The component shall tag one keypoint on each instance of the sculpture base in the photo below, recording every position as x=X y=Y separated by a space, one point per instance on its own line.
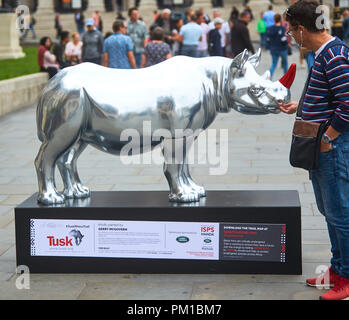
x=255 y=232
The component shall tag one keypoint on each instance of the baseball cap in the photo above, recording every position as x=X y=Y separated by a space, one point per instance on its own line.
x=90 y=22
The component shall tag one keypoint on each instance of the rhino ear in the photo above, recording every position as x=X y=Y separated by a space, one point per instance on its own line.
x=256 y=58
x=240 y=60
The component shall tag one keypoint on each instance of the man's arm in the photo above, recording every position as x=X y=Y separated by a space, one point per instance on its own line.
x=131 y=59
x=144 y=60
x=106 y=59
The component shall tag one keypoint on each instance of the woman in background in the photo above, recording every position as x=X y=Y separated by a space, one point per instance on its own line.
x=73 y=49
x=46 y=60
x=157 y=50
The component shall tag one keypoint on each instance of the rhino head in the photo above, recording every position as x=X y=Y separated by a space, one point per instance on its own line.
x=255 y=94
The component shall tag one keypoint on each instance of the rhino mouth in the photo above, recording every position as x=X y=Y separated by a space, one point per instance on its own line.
x=273 y=109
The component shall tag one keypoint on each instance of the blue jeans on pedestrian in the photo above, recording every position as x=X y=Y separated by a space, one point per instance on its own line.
x=263 y=37
x=275 y=55
x=331 y=188
x=138 y=58
x=189 y=50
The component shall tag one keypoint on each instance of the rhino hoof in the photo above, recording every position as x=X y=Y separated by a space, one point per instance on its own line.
x=78 y=192
x=49 y=198
x=184 y=197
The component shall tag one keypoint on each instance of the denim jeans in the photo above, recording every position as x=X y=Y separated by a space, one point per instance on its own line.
x=190 y=51
x=331 y=188
x=275 y=58
x=138 y=59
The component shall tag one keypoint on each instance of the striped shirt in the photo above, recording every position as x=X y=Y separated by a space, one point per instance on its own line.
x=327 y=95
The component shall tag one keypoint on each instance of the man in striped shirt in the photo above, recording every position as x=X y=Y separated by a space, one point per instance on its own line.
x=326 y=99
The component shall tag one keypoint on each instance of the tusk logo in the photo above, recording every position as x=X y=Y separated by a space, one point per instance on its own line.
x=76 y=234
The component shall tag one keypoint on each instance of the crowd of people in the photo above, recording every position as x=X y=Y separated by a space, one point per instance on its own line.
x=133 y=45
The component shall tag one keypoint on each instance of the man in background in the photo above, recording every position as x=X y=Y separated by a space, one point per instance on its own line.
x=59 y=50
x=93 y=41
x=118 y=48
x=137 y=31
x=240 y=35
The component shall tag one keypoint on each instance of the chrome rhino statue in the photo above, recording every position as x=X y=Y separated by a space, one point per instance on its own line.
x=91 y=104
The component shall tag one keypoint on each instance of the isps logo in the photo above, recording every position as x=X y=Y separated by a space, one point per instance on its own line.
x=207 y=231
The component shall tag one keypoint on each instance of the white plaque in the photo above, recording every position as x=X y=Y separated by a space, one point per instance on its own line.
x=125 y=239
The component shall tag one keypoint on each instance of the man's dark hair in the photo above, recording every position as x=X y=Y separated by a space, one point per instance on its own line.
x=243 y=14
x=117 y=25
x=158 y=34
x=304 y=12
x=130 y=10
x=64 y=35
x=270 y=7
x=193 y=17
x=198 y=14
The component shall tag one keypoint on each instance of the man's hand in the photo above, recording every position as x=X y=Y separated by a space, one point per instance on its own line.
x=289 y=108
x=325 y=147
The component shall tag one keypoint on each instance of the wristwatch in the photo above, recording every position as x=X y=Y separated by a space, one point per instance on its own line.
x=326 y=138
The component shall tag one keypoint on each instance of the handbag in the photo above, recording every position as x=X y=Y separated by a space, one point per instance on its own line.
x=306 y=139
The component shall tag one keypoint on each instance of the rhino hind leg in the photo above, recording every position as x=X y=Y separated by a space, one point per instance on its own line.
x=67 y=165
x=59 y=131
x=174 y=155
x=45 y=169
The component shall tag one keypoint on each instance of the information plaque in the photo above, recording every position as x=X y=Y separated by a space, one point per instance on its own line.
x=141 y=232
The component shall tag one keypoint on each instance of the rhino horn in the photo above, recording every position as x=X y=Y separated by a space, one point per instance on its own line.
x=288 y=78
x=240 y=60
x=256 y=58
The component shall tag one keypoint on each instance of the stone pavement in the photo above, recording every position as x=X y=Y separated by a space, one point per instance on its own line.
x=258 y=159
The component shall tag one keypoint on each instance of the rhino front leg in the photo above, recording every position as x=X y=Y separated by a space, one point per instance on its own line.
x=186 y=173
x=174 y=153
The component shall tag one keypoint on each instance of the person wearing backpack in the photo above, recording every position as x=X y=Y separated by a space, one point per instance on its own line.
x=278 y=44
x=326 y=101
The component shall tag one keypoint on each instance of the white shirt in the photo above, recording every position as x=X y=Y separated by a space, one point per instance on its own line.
x=203 y=43
x=318 y=51
x=222 y=31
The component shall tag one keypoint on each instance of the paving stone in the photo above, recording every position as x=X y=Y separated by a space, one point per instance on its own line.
x=135 y=290
x=252 y=291
x=41 y=290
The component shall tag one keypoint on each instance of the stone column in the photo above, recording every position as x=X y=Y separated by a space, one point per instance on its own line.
x=9 y=39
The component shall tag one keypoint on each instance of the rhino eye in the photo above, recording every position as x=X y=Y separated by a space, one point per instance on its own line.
x=257 y=91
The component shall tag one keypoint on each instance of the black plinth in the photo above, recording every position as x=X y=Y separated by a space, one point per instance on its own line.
x=255 y=232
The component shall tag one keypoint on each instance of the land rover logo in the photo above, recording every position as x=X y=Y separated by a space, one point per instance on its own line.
x=182 y=239
x=207 y=240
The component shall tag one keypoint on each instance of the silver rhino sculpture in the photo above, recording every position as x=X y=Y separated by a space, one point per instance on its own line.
x=91 y=104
